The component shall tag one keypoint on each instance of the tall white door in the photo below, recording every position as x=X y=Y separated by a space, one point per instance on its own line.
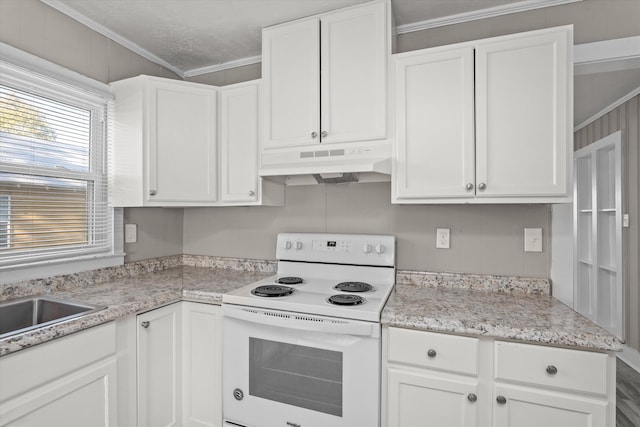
x=291 y=76
x=239 y=179
x=523 y=125
x=354 y=49
x=435 y=125
x=598 y=281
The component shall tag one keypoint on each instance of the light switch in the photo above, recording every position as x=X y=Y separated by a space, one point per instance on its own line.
x=533 y=239
x=130 y=233
x=442 y=238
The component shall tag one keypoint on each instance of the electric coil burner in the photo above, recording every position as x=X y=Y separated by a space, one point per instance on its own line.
x=353 y=287
x=290 y=280
x=272 y=291
x=346 y=299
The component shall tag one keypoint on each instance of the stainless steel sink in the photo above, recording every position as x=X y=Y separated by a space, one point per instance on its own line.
x=24 y=314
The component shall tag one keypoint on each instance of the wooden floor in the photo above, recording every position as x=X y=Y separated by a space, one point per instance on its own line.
x=627 y=396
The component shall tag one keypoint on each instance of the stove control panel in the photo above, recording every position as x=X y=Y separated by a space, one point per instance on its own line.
x=358 y=249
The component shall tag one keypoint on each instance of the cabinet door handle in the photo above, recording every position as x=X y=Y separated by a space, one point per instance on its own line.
x=324 y=134
x=482 y=186
x=314 y=134
x=145 y=324
x=252 y=193
x=501 y=400
x=469 y=187
x=471 y=397
x=552 y=370
x=152 y=192
x=431 y=353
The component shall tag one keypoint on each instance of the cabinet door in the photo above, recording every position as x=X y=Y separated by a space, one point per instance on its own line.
x=529 y=407
x=239 y=143
x=291 y=76
x=181 y=144
x=429 y=398
x=202 y=365
x=354 y=50
x=159 y=367
x=523 y=115
x=434 y=154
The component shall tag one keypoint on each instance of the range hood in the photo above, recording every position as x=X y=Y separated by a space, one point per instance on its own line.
x=334 y=164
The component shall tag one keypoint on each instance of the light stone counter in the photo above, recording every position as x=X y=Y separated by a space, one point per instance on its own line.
x=501 y=313
x=133 y=289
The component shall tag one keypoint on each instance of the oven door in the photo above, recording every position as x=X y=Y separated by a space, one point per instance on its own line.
x=297 y=370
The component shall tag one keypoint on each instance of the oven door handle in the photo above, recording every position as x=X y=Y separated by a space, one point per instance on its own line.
x=302 y=322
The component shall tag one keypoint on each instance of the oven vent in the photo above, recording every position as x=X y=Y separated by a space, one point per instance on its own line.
x=294 y=317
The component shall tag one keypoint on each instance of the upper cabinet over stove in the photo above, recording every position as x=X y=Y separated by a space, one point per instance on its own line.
x=325 y=78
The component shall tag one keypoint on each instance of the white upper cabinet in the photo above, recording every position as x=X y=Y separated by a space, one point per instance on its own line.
x=239 y=138
x=164 y=146
x=486 y=121
x=523 y=115
x=325 y=78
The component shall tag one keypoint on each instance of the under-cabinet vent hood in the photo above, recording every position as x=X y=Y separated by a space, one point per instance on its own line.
x=330 y=164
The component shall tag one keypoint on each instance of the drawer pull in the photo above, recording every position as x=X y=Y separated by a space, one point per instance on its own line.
x=501 y=400
x=145 y=324
x=552 y=370
x=471 y=397
x=431 y=353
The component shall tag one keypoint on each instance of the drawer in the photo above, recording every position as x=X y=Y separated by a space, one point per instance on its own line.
x=434 y=350
x=574 y=369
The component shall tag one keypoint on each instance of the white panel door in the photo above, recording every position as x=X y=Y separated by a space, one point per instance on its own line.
x=239 y=179
x=434 y=156
x=291 y=76
x=159 y=367
x=523 y=119
x=354 y=51
x=428 y=398
x=182 y=150
x=528 y=407
x=202 y=365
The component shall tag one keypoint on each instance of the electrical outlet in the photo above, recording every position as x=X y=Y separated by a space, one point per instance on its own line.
x=442 y=238
x=130 y=233
x=533 y=239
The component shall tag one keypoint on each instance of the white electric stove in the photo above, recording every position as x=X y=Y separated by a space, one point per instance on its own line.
x=302 y=348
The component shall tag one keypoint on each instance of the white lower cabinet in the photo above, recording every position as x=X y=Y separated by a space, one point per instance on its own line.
x=70 y=382
x=496 y=383
x=202 y=365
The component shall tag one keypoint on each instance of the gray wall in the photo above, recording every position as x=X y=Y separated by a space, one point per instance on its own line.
x=627 y=119
x=484 y=239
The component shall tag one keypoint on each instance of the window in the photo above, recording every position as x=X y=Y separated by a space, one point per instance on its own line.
x=53 y=172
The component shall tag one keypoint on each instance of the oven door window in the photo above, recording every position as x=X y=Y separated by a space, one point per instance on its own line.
x=306 y=377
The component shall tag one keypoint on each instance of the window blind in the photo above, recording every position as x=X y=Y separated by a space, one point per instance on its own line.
x=53 y=173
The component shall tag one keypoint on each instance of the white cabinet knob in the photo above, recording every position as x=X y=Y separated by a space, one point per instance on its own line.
x=379 y=249
x=366 y=248
x=298 y=245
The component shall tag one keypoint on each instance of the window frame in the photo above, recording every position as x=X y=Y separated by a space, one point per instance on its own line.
x=21 y=70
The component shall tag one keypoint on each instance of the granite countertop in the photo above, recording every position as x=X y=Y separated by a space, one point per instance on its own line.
x=539 y=319
x=132 y=295
x=510 y=308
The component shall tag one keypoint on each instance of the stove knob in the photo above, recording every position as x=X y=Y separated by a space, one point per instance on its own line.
x=366 y=248
x=287 y=244
x=379 y=249
x=298 y=246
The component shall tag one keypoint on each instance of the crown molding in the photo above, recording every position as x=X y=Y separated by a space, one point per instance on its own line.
x=607 y=55
x=521 y=6
x=63 y=8
x=223 y=66
x=608 y=109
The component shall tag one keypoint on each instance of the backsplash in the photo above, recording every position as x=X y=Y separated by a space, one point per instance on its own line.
x=503 y=284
